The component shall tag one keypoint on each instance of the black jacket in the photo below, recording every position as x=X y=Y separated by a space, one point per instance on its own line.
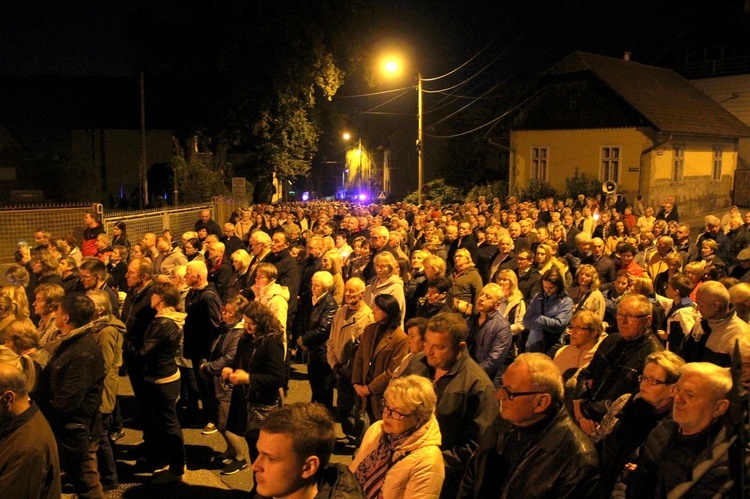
x=160 y=347
x=287 y=269
x=137 y=315
x=203 y=307
x=613 y=372
x=70 y=388
x=319 y=328
x=560 y=462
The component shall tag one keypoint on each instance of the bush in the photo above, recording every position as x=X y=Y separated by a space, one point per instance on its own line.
x=537 y=189
x=497 y=189
x=580 y=183
x=437 y=190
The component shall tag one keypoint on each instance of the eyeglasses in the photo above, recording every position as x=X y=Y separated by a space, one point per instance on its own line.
x=511 y=395
x=398 y=416
x=651 y=381
x=631 y=317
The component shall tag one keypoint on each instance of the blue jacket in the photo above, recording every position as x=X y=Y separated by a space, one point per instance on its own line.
x=547 y=313
x=489 y=343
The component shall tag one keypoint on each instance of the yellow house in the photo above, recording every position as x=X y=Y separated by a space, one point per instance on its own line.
x=646 y=128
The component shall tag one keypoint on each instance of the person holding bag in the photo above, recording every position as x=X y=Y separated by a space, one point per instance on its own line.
x=256 y=376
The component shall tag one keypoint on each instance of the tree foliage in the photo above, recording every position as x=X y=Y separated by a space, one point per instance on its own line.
x=197 y=177
x=253 y=75
x=437 y=190
x=580 y=183
x=497 y=189
x=537 y=189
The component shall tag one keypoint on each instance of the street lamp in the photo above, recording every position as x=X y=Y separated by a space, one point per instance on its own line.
x=393 y=67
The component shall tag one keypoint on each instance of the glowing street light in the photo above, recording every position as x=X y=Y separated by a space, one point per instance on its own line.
x=393 y=67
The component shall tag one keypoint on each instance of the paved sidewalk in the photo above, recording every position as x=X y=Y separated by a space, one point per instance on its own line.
x=201 y=479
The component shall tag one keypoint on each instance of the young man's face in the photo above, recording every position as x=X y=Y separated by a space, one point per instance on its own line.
x=279 y=471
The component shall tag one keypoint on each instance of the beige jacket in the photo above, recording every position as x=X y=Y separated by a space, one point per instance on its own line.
x=417 y=470
x=340 y=344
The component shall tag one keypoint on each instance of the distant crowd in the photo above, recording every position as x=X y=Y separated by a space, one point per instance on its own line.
x=557 y=348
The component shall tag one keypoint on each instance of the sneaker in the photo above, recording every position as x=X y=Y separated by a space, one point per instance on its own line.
x=145 y=464
x=166 y=477
x=116 y=435
x=209 y=429
x=234 y=466
x=225 y=457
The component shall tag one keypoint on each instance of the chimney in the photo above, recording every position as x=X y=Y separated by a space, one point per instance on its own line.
x=626 y=56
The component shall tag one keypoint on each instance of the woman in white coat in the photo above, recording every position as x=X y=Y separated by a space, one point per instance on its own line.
x=400 y=456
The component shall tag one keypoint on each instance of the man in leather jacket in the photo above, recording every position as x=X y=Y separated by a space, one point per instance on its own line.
x=534 y=449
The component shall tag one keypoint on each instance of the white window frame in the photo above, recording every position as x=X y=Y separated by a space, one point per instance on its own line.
x=716 y=164
x=607 y=160
x=539 y=162
x=678 y=164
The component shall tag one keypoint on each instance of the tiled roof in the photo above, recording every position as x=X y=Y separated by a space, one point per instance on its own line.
x=664 y=98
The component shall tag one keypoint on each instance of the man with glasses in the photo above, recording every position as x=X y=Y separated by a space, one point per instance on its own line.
x=682 y=456
x=534 y=449
x=618 y=361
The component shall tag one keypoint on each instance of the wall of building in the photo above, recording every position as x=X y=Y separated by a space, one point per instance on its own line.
x=698 y=192
x=569 y=149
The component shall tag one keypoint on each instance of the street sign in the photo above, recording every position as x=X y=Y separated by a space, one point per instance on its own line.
x=381 y=196
x=238 y=187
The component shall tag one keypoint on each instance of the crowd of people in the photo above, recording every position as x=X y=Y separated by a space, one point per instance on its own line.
x=554 y=348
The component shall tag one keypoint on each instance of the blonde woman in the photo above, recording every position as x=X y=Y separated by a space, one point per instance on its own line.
x=512 y=305
x=47 y=298
x=586 y=295
x=12 y=355
x=332 y=263
x=19 y=298
x=400 y=456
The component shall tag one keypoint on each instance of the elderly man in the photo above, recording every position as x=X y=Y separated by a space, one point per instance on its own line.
x=379 y=237
x=29 y=464
x=231 y=242
x=348 y=324
x=490 y=339
x=260 y=249
x=534 y=449
x=617 y=364
x=713 y=337
x=317 y=332
x=694 y=437
x=219 y=268
x=464 y=239
x=205 y=222
x=604 y=265
x=656 y=264
x=466 y=406
x=288 y=271
x=713 y=231
x=70 y=393
x=504 y=258
x=203 y=308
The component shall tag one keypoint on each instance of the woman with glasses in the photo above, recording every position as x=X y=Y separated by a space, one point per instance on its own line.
x=631 y=418
x=193 y=250
x=400 y=456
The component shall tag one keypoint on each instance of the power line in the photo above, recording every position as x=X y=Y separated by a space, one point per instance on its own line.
x=374 y=93
x=465 y=63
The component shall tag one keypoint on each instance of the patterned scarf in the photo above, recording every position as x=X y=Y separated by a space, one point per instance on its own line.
x=374 y=467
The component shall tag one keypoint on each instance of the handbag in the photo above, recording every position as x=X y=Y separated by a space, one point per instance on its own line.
x=257 y=413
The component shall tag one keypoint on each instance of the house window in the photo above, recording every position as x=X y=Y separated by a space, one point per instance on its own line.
x=678 y=167
x=539 y=157
x=610 y=164
x=716 y=170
